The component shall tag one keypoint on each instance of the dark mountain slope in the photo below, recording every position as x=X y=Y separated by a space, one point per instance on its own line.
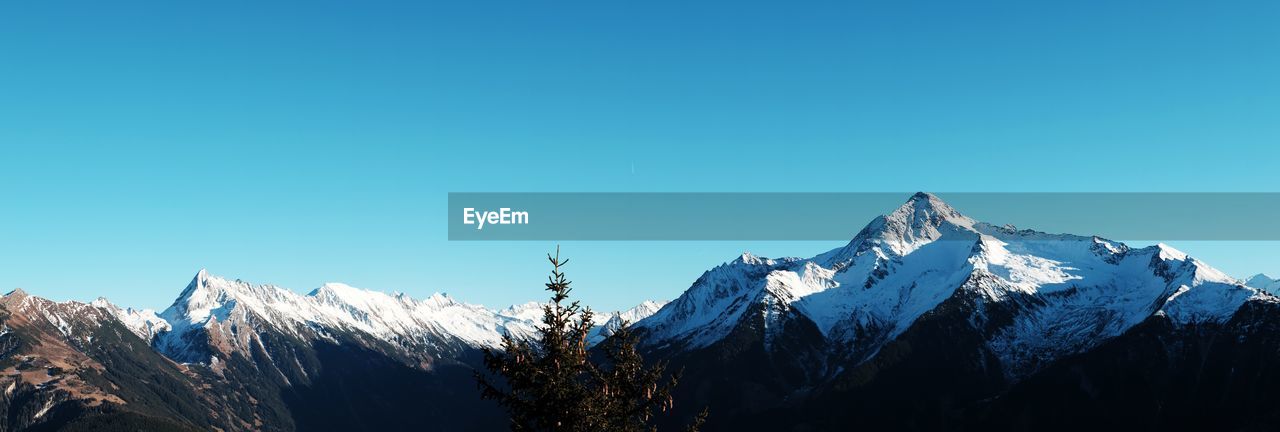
x=1158 y=376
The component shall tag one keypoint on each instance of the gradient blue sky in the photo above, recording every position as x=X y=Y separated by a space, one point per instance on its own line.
x=302 y=142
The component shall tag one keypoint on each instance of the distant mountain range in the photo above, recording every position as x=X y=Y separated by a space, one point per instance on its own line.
x=926 y=320
x=231 y=355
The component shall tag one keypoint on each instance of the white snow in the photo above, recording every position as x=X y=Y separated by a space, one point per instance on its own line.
x=1070 y=292
x=1169 y=253
x=44 y=409
x=145 y=323
x=607 y=324
x=531 y=311
x=1265 y=283
x=74 y=321
x=394 y=318
x=436 y=321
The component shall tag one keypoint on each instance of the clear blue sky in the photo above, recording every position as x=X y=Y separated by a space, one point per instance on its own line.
x=302 y=142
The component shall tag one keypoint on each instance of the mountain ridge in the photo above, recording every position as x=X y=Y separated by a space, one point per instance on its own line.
x=904 y=264
x=925 y=314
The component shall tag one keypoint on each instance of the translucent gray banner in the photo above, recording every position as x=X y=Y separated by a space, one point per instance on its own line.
x=559 y=216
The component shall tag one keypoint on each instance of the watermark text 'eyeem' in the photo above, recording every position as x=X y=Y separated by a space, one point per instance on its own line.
x=503 y=216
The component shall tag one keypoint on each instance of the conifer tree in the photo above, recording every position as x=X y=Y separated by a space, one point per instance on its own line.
x=554 y=383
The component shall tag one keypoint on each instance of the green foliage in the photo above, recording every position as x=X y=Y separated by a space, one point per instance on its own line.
x=553 y=383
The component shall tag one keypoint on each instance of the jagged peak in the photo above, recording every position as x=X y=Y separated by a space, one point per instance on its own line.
x=650 y=304
x=15 y=298
x=1261 y=278
x=925 y=199
x=335 y=288
x=102 y=302
x=1181 y=264
x=363 y=298
x=198 y=282
x=531 y=311
x=440 y=299
x=219 y=285
x=211 y=296
x=749 y=258
x=641 y=311
x=927 y=207
x=922 y=219
x=1169 y=253
x=1162 y=252
x=525 y=306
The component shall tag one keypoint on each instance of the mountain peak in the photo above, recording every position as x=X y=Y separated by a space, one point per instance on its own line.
x=1262 y=277
x=15 y=297
x=924 y=218
x=210 y=296
x=200 y=280
x=927 y=204
x=335 y=288
x=923 y=196
x=1168 y=252
x=102 y=302
x=1265 y=283
x=749 y=258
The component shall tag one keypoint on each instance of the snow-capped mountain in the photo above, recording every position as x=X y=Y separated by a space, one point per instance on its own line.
x=437 y=325
x=1073 y=291
x=72 y=361
x=931 y=308
x=74 y=321
x=258 y=343
x=608 y=324
x=1265 y=283
x=641 y=311
x=926 y=320
x=143 y=322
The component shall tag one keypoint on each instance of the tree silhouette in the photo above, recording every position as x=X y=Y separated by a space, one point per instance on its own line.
x=552 y=383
